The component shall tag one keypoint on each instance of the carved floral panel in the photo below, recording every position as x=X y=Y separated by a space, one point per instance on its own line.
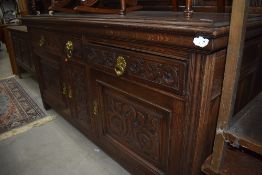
x=139 y=127
x=170 y=74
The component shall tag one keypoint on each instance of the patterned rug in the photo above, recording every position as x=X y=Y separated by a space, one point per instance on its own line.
x=18 y=111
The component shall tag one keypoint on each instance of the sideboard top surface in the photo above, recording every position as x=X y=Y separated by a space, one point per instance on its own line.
x=164 y=28
x=210 y=23
x=20 y=28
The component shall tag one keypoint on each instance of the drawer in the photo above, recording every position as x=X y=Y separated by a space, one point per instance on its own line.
x=61 y=44
x=76 y=46
x=154 y=71
x=46 y=41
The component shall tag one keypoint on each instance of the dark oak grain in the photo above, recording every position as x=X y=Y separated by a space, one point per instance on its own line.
x=236 y=162
x=22 y=49
x=159 y=116
x=247 y=126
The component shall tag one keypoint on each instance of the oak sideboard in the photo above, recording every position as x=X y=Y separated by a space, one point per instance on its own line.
x=144 y=87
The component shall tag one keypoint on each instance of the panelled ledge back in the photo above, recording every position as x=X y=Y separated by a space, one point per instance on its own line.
x=137 y=86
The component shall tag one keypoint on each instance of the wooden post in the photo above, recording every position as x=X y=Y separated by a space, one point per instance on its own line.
x=175 y=5
x=188 y=10
x=123 y=7
x=23 y=7
x=221 y=6
x=231 y=76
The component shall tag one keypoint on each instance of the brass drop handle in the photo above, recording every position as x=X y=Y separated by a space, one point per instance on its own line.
x=70 y=96
x=64 y=90
x=95 y=108
x=120 y=65
x=69 y=48
x=42 y=41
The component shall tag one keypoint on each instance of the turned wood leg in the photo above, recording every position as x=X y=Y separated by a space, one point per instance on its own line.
x=123 y=7
x=188 y=10
x=19 y=72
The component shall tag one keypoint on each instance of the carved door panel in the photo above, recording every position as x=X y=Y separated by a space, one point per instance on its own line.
x=51 y=83
x=78 y=89
x=25 y=54
x=135 y=123
x=17 y=46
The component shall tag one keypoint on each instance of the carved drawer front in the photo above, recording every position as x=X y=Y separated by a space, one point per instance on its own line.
x=158 y=72
x=46 y=41
x=134 y=127
x=72 y=46
x=66 y=45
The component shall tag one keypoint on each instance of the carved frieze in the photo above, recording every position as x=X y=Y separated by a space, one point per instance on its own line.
x=155 y=72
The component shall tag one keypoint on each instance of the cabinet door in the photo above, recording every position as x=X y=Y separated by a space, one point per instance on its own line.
x=79 y=96
x=17 y=48
x=52 y=85
x=135 y=127
x=25 y=54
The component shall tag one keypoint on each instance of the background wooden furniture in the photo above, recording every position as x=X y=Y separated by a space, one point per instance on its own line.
x=23 y=6
x=9 y=46
x=100 y=6
x=242 y=131
x=198 y=5
x=149 y=99
x=171 y=5
x=22 y=49
x=63 y=6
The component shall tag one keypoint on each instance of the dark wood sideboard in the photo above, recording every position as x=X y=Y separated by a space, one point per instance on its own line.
x=22 y=49
x=198 y=5
x=138 y=86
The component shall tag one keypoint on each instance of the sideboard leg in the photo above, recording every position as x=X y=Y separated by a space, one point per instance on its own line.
x=46 y=106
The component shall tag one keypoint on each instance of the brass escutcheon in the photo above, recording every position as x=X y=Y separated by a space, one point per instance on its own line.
x=95 y=108
x=70 y=93
x=69 y=49
x=42 y=41
x=120 y=65
x=64 y=91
